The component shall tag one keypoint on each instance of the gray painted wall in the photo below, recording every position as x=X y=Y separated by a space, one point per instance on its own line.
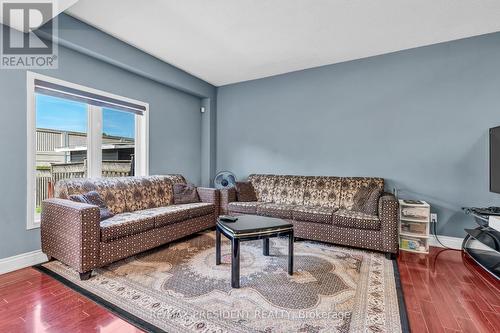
x=175 y=133
x=418 y=118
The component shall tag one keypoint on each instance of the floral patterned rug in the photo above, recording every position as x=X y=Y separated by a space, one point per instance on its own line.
x=178 y=288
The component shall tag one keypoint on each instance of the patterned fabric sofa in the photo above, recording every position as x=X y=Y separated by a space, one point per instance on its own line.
x=320 y=208
x=145 y=217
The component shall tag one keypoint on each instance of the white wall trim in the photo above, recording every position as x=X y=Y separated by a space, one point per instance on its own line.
x=454 y=242
x=21 y=261
x=32 y=219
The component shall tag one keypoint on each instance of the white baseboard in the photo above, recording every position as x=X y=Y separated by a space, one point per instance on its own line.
x=454 y=242
x=21 y=261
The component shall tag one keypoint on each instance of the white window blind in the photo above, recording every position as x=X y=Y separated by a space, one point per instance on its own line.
x=56 y=90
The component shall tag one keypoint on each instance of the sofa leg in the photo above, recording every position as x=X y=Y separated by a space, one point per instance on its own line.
x=85 y=276
x=391 y=256
x=49 y=258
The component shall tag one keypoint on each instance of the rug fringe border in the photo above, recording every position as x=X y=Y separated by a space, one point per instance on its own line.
x=403 y=315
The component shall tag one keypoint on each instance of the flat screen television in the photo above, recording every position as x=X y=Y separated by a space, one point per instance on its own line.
x=495 y=159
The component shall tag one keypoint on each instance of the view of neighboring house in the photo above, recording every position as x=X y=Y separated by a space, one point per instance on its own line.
x=62 y=154
x=62 y=143
x=56 y=146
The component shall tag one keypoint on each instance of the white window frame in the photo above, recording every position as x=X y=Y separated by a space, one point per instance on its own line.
x=94 y=139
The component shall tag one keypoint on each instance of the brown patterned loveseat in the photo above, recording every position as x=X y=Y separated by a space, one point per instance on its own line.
x=321 y=208
x=145 y=217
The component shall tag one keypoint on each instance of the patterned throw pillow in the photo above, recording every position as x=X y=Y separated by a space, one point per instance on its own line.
x=185 y=193
x=366 y=199
x=245 y=192
x=93 y=198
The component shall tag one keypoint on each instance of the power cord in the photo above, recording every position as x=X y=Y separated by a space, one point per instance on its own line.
x=434 y=230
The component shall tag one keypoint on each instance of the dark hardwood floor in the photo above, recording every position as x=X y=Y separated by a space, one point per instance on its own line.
x=31 y=301
x=444 y=292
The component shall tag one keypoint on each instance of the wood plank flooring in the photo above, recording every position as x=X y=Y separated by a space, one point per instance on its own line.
x=444 y=292
x=31 y=301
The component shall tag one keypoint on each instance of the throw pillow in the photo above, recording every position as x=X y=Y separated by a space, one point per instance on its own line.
x=93 y=198
x=185 y=193
x=366 y=200
x=245 y=192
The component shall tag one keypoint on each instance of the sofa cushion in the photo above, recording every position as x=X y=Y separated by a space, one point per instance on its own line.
x=198 y=209
x=126 y=224
x=351 y=185
x=111 y=190
x=161 y=191
x=167 y=215
x=322 y=191
x=281 y=211
x=185 y=193
x=93 y=198
x=313 y=214
x=245 y=192
x=264 y=186
x=243 y=207
x=366 y=199
x=351 y=219
x=289 y=190
x=138 y=194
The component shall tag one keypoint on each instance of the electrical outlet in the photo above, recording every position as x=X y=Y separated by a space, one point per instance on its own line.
x=434 y=218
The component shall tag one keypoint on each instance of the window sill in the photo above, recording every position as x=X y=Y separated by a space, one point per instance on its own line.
x=34 y=224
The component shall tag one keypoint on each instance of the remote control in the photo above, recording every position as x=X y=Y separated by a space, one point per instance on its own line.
x=228 y=218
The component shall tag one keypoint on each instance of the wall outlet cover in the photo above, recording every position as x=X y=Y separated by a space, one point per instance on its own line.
x=434 y=218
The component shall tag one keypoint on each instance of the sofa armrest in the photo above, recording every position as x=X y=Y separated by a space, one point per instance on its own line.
x=210 y=195
x=70 y=232
x=227 y=195
x=388 y=211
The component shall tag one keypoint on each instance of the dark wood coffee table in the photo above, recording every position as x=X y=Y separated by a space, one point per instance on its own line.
x=251 y=227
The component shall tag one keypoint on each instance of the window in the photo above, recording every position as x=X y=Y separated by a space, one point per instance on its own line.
x=75 y=132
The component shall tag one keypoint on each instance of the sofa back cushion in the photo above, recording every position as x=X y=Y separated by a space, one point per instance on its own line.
x=185 y=193
x=121 y=194
x=289 y=190
x=322 y=191
x=263 y=186
x=311 y=191
x=366 y=200
x=175 y=178
x=245 y=192
x=352 y=185
x=111 y=190
x=163 y=191
x=140 y=193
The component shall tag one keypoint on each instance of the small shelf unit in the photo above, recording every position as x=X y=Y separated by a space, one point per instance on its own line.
x=414 y=226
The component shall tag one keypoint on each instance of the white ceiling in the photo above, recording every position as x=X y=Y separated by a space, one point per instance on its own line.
x=228 y=41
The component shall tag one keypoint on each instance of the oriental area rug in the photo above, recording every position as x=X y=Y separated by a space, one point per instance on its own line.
x=178 y=288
